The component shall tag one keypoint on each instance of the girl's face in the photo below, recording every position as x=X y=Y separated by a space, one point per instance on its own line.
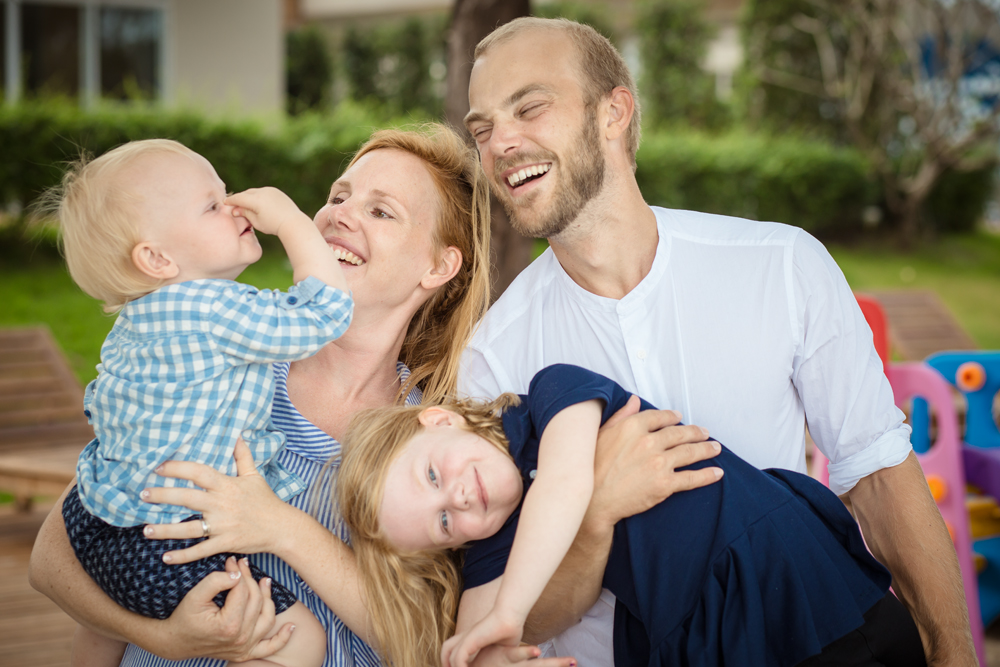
x=384 y=210
x=448 y=487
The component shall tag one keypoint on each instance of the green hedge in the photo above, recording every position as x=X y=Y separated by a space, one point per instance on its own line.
x=806 y=183
x=301 y=157
x=809 y=183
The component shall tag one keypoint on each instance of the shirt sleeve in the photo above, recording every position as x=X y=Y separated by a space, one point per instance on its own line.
x=838 y=375
x=477 y=378
x=265 y=326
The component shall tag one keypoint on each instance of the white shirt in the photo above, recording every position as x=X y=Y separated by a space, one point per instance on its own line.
x=747 y=328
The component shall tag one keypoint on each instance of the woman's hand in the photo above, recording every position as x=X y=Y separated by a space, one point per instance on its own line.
x=242 y=513
x=199 y=628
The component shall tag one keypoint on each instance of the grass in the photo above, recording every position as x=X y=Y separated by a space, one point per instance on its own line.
x=37 y=289
x=963 y=270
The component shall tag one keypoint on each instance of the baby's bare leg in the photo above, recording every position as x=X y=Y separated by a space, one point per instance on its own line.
x=93 y=650
x=306 y=648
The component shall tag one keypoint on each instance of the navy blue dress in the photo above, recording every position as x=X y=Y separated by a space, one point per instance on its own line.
x=762 y=568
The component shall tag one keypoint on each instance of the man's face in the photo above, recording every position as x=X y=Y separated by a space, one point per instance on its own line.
x=537 y=137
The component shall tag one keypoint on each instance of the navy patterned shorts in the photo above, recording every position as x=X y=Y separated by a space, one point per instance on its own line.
x=130 y=568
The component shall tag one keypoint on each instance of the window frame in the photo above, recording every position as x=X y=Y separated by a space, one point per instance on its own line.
x=90 y=46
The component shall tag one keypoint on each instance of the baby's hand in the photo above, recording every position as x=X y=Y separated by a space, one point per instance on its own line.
x=495 y=628
x=267 y=209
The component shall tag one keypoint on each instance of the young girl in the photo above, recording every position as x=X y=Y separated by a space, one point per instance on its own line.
x=761 y=568
x=148 y=229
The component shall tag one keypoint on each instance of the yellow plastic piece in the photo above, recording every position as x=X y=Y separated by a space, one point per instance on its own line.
x=984 y=516
x=939 y=488
x=980 y=562
x=970 y=377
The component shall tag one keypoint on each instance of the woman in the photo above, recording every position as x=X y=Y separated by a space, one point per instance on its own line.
x=413 y=211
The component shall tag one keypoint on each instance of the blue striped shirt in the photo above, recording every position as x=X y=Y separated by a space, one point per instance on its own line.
x=307 y=452
x=185 y=370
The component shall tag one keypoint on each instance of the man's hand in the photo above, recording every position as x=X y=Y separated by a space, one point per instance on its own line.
x=638 y=454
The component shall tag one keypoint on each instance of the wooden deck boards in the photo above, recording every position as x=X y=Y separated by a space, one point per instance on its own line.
x=42 y=425
x=920 y=324
x=34 y=632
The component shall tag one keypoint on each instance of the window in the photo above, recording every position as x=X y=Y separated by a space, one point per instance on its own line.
x=130 y=52
x=81 y=49
x=50 y=50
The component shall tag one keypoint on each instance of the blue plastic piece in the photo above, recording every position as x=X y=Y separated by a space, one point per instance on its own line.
x=920 y=421
x=980 y=429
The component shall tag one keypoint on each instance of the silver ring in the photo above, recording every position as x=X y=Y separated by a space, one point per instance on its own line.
x=205 y=530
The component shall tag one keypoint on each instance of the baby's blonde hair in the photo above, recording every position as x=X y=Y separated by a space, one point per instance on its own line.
x=412 y=597
x=99 y=221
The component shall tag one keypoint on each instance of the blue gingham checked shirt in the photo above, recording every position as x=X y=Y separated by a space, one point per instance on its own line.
x=308 y=450
x=185 y=370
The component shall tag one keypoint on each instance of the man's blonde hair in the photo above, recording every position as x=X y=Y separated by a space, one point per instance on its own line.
x=601 y=68
x=99 y=222
x=412 y=597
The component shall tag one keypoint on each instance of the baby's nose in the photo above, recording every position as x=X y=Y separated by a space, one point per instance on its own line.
x=459 y=497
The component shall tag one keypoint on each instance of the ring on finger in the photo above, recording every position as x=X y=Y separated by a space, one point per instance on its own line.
x=205 y=529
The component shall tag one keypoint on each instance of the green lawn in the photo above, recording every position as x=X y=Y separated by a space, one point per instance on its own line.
x=964 y=271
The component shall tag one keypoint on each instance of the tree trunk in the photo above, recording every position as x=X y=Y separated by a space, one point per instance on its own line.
x=471 y=20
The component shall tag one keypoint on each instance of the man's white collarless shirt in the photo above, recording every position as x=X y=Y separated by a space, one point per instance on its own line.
x=746 y=328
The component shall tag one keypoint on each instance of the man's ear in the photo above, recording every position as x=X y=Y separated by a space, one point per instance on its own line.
x=619 y=107
x=435 y=415
x=444 y=269
x=153 y=262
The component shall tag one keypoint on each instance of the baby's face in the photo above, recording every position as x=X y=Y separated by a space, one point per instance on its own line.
x=448 y=487
x=183 y=214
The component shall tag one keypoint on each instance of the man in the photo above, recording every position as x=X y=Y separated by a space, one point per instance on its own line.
x=746 y=328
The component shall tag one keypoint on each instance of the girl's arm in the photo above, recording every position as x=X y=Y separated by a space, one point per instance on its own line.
x=196 y=628
x=245 y=516
x=550 y=518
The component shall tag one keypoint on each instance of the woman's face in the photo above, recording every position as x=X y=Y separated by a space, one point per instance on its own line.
x=383 y=210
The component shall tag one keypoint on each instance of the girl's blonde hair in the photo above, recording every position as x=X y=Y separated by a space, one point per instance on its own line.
x=441 y=328
x=99 y=220
x=412 y=597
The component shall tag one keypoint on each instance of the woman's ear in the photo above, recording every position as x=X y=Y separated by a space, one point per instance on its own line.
x=444 y=269
x=436 y=415
x=619 y=108
x=153 y=262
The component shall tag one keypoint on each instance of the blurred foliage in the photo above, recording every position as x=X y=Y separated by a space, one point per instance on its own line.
x=798 y=181
x=806 y=182
x=399 y=66
x=597 y=16
x=767 y=36
x=674 y=37
x=301 y=156
x=958 y=200
x=308 y=70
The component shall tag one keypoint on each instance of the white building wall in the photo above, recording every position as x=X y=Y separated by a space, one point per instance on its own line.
x=225 y=55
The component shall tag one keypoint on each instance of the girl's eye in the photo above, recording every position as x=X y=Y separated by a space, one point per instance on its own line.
x=431 y=475
x=444 y=521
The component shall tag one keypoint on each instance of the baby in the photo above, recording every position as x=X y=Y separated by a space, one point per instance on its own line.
x=185 y=371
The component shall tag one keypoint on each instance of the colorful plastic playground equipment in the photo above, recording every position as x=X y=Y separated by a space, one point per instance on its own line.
x=963 y=473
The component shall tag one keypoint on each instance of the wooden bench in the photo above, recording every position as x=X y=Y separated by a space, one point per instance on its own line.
x=42 y=425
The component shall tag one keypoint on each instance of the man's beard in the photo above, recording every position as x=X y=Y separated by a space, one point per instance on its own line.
x=581 y=177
